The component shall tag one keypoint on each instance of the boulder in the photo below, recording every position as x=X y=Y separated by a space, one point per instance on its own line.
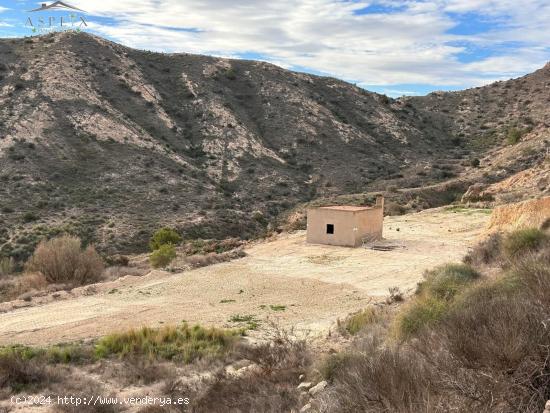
x=306 y=385
x=319 y=387
x=306 y=408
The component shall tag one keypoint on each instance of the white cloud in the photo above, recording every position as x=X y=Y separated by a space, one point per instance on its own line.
x=408 y=45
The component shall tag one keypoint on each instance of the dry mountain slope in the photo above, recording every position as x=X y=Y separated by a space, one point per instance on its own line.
x=110 y=143
x=485 y=115
x=506 y=124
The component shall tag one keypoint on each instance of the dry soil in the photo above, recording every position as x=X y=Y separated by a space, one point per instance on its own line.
x=284 y=279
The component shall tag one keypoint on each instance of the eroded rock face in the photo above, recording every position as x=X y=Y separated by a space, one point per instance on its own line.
x=476 y=193
x=534 y=213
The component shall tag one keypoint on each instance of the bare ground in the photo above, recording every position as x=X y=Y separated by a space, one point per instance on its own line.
x=313 y=285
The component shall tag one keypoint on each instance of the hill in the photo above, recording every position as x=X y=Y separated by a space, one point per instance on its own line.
x=110 y=143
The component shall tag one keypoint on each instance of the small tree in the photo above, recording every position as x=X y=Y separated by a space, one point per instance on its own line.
x=475 y=163
x=164 y=236
x=62 y=260
x=163 y=256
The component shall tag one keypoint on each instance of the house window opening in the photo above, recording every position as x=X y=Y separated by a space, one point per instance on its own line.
x=330 y=228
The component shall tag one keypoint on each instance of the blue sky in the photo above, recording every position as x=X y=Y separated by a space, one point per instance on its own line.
x=398 y=48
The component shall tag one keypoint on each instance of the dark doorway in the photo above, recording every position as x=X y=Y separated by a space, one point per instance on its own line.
x=330 y=228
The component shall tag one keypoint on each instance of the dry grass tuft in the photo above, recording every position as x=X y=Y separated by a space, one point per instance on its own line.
x=360 y=320
x=182 y=343
x=378 y=377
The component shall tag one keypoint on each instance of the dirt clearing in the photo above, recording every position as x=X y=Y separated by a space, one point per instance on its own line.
x=284 y=279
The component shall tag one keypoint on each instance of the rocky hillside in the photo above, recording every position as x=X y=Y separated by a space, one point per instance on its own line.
x=486 y=116
x=110 y=143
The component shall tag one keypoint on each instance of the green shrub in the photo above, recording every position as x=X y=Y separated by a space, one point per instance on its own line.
x=335 y=362
x=434 y=296
x=418 y=314
x=446 y=281
x=164 y=236
x=29 y=217
x=513 y=136
x=475 y=162
x=182 y=343
x=162 y=256
x=231 y=74
x=356 y=322
x=523 y=240
x=493 y=324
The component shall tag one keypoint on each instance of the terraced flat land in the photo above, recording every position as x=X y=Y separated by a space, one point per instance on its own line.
x=283 y=279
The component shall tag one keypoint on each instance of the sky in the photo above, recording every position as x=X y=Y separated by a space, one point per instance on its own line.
x=409 y=47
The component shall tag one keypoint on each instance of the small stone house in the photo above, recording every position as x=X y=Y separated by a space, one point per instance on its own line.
x=347 y=226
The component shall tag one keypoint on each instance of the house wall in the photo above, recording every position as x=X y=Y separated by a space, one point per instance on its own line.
x=367 y=223
x=343 y=221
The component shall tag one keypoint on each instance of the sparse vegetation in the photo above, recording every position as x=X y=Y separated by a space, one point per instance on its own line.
x=468 y=343
x=396 y=295
x=171 y=159
x=19 y=373
x=249 y=320
x=197 y=261
x=239 y=318
x=522 y=241
x=486 y=252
